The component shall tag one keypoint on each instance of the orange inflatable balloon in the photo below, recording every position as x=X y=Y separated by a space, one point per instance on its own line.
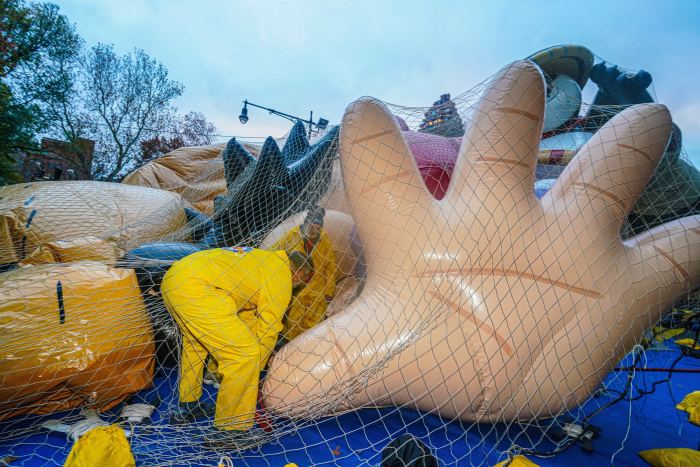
x=490 y=305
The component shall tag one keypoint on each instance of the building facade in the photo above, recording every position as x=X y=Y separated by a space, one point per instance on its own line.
x=58 y=160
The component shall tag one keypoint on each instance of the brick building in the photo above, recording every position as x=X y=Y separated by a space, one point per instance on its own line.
x=442 y=118
x=58 y=160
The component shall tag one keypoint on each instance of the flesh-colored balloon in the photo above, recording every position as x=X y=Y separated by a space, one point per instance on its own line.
x=490 y=304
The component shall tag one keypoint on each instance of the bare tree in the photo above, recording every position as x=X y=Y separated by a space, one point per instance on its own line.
x=130 y=98
x=196 y=130
x=193 y=129
x=117 y=101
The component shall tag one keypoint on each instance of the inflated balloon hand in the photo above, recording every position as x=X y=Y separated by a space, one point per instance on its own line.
x=490 y=304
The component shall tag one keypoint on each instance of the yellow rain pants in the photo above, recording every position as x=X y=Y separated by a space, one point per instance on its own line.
x=205 y=292
x=308 y=306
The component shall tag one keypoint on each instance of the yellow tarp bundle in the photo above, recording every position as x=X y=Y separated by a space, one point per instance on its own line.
x=104 y=446
x=87 y=215
x=517 y=461
x=671 y=457
x=196 y=173
x=661 y=333
x=689 y=342
x=71 y=335
x=69 y=251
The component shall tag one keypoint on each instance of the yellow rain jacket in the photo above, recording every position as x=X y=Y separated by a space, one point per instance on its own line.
x=308 y=306
x=228 y=303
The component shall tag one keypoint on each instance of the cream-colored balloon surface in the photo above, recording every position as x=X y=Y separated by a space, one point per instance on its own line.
x=45 y=222
x=336 y=198
x=490 y=304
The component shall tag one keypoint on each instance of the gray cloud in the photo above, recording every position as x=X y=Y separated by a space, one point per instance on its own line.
x=298 y=56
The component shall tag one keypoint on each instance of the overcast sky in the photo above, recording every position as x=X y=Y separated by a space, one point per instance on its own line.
x=297 y=56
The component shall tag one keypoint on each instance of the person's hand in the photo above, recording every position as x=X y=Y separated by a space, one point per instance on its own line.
x=490 y=304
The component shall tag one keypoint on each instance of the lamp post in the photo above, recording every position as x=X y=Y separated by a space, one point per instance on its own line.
x=320 y=125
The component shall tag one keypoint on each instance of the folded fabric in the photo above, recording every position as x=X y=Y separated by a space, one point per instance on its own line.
x=671 y=457
x=105 y=446
x=517 y=461
x=691 y=404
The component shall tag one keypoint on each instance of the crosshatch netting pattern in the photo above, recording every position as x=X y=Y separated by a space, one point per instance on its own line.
x=473 y=269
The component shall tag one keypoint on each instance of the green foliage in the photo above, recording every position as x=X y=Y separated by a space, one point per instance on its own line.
x=16 y=132
x=51 y=85
x=14 y=27
x=35 y=40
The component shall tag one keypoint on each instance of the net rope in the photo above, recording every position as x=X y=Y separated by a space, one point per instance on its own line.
x=465 y=290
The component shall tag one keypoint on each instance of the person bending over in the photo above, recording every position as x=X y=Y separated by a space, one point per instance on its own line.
x=229 y=302
x=308 y=306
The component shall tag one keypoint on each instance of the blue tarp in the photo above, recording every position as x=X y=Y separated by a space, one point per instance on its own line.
x=357 y=438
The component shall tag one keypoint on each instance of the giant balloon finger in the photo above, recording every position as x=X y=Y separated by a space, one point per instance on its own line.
x=489 y=305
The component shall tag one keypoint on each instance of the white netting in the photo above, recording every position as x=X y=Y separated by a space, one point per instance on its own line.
x=480 y=282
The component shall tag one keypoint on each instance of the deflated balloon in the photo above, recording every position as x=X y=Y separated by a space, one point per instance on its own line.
x=82 y=220
x=71 y=335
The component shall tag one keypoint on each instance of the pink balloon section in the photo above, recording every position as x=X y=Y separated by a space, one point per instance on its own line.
x=435 y=157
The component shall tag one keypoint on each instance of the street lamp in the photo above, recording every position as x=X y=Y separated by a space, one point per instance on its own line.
x=243 y=117
x=322 y=123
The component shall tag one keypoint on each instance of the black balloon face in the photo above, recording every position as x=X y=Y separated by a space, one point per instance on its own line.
x=620 y=88
x=616 y=90
x=296 y=145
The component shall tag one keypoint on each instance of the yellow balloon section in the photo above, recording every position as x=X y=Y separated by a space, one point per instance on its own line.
x=76 y=333
x=69 y=221
x=73 y=335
